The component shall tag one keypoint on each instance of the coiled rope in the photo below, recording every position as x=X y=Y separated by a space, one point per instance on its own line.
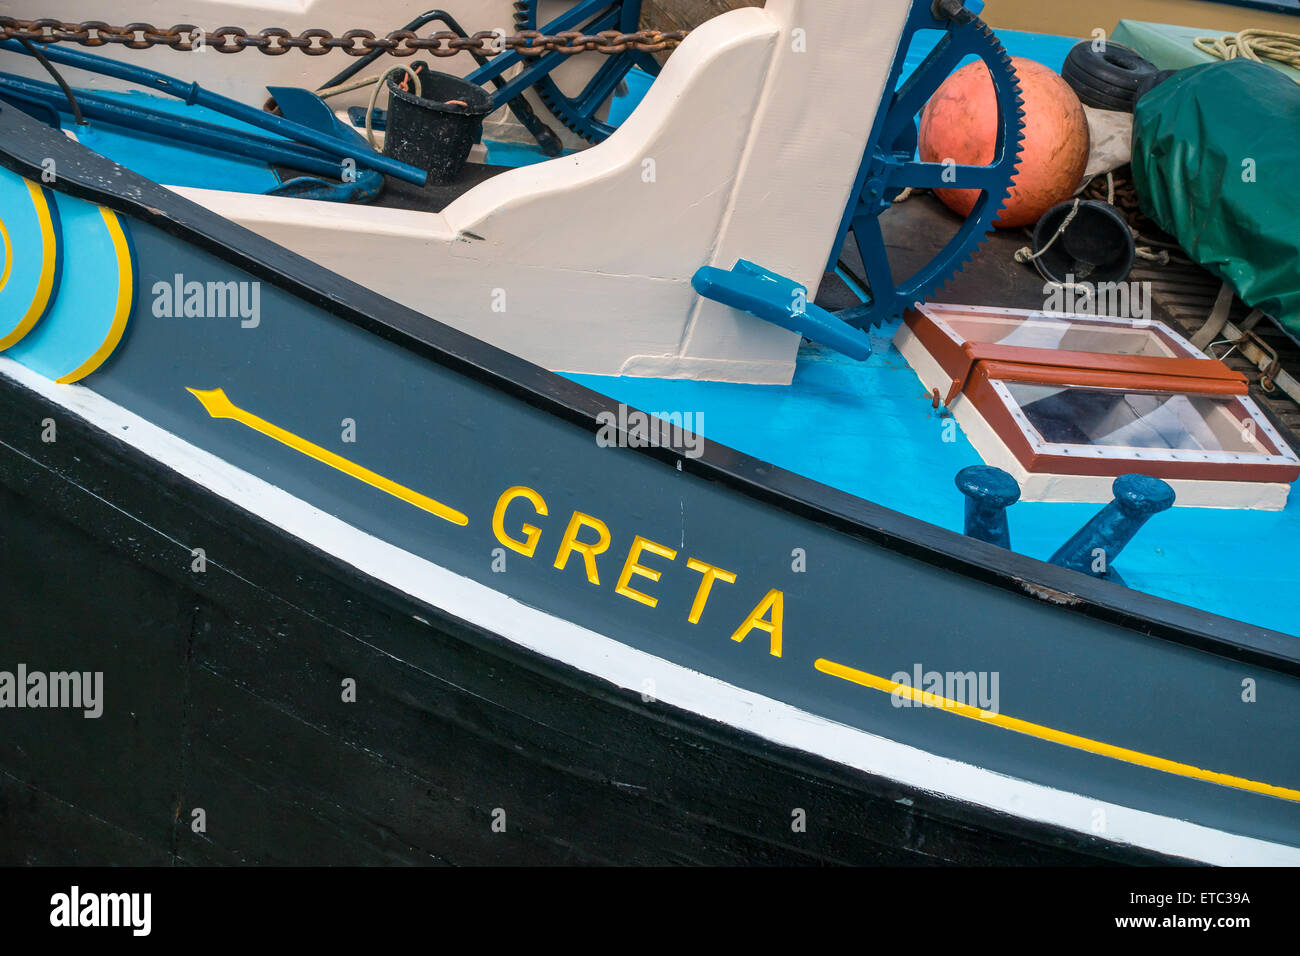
x=1257 y=45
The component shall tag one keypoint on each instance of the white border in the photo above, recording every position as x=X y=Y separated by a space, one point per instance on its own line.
x=629 y=668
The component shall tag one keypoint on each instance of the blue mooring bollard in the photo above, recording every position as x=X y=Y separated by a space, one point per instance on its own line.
x=989 y=493
x=1096 y=545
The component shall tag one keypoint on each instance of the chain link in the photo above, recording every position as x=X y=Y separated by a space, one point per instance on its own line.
x=276 y=41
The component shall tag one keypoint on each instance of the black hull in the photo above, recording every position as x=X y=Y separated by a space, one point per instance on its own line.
x=226 y=697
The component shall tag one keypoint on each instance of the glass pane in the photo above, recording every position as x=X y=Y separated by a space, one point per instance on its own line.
x=1069 y=415
x=1056 y=332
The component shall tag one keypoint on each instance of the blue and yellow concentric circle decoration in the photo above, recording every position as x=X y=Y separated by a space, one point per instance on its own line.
x=30 y=269
x=95 y=295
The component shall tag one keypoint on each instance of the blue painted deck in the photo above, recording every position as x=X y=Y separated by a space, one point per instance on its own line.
x=868 y=429
x=176 y=163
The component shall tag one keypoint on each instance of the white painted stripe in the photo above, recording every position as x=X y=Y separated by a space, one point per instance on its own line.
x=627 y=667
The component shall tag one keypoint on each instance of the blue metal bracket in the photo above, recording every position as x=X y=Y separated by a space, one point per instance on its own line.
x=781 y=301
x=309 y=110
x=358 y=185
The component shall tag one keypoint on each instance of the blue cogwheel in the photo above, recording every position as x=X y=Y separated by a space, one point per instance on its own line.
x=582 y=106
x=890 y=165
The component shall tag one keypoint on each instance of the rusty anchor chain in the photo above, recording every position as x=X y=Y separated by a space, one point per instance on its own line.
x=276 y=41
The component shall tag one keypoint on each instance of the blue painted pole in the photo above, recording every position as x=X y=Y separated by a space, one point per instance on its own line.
x=1096 y=545
x=194 y=94
x=989 y=493
x=196 y=132
x=569 y=20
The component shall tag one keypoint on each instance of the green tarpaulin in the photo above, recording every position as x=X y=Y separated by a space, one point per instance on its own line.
x=1216 y=162
x=1172 y=47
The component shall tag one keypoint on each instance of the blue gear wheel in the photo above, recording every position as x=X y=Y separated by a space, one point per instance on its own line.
x=890 y=163
x=580 y=111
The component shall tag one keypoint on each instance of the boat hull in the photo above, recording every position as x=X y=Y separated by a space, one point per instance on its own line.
x=224 y=693
x=346 y=571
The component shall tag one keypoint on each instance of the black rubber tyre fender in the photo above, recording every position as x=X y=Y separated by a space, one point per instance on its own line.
x=1101 y=98
x=1115 y=68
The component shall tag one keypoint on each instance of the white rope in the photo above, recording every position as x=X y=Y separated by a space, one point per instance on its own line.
x=374 y=97
x=329 y=91
x=1257 y=45
x=1086 y=288
x=1143 y=247
x=1158 y=256
x=377 y=81
x=1027 y=254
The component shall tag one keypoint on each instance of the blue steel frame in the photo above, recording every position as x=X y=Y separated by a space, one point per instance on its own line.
x=592 y=16
x=889 y=165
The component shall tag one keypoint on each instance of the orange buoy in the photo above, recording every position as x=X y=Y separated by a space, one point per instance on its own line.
x=960 y=124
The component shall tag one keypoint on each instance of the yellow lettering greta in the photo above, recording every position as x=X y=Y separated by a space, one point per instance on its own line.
x=630 y=567
x=532 y=533
x=774 y=602
x=711 y=574
x=588 y=551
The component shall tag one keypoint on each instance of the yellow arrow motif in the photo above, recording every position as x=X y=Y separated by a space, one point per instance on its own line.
x=216 y=404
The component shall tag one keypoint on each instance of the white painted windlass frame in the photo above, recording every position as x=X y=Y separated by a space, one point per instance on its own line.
x=746 y=146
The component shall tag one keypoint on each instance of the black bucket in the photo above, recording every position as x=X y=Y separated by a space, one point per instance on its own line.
x=435 y=130
x=1097 y=245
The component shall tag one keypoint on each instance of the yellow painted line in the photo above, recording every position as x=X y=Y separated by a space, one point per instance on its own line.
x=217 y=405
x=49 y=256
x=9 y=255
x=122 y=309
x=1047 y=733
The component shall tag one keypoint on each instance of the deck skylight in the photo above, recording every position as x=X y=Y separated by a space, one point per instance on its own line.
x=1066 y=402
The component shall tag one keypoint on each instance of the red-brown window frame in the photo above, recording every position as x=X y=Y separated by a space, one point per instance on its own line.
x=974 y=366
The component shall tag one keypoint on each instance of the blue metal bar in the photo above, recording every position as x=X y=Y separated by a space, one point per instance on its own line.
x=529 y=76
x=916 y=175
x=157 y=123
x=194 y=94
x=569 y=20
x=600 y=87
x=25 y=103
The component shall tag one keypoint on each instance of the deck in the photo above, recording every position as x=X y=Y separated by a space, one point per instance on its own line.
x=869 y=429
